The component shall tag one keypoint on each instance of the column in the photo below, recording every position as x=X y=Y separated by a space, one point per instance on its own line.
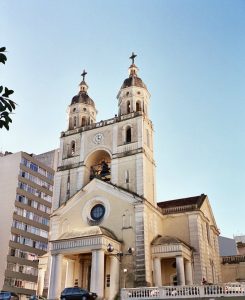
x=69 y=281
x=55 y=277
x=157 y=272
x=41 y=276
x=180 y=270
x=100 y=272
x=114 y=276
x=93 y=272
x=188 y=273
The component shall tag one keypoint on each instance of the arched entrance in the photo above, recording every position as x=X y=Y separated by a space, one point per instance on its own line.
x=99 y=165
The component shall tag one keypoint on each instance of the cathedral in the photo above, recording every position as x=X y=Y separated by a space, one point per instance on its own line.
x=107 y=229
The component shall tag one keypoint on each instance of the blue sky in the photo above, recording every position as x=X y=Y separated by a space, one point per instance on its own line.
x=191 y=57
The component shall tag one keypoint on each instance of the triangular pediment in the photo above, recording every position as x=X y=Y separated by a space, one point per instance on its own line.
x=98 y=185
x=77 y=214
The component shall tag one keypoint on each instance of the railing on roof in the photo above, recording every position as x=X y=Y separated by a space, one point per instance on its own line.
x=105 y=122
x=179 y=292
x=233 y=259
x=178 y=209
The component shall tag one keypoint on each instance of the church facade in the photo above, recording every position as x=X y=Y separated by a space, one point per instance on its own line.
x=107 y=230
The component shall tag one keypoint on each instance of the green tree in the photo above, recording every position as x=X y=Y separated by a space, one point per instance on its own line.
x=6 y=105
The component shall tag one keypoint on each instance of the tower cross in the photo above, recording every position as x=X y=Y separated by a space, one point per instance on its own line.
x=133 y=57
x=84 y=73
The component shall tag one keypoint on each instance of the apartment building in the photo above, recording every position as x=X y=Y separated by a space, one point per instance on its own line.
x=26 y=189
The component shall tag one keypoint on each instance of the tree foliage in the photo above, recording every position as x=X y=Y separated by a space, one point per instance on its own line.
x=6 y=104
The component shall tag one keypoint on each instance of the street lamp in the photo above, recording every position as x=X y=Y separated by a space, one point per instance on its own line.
x=119 y=254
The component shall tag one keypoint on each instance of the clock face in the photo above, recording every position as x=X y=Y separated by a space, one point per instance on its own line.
x=98 y=138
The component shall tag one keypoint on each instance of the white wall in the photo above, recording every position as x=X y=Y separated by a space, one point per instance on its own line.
x=9 y=170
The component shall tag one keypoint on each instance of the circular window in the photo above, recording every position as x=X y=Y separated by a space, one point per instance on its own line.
x=97 y=212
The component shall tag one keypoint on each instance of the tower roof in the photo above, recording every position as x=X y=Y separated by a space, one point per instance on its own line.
x=133 y=79
x=82 y=96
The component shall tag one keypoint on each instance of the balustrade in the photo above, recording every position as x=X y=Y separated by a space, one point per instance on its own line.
x=178 y=292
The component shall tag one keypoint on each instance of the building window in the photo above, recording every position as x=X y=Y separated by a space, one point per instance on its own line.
x=68 y=186
x=97 y=212
x=126 y=176
x=73 y=147
x=128 y=107
x=33 y=167
x=128 y=135
x=75 y=121
x=83 y=121
x=138 y=106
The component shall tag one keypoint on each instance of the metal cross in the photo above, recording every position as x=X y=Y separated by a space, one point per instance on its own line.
x=84 y=73
x=133 y=57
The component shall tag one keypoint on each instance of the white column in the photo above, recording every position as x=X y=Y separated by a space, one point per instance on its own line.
x=100 y=271
x=70 y=264
x=41 y=276
x=93 y=272
x=157 y=272
x=55 y=277
x=114 y=277
x=188 y=273
x=180 y=270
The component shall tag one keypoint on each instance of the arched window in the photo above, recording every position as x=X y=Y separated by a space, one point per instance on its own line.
x=75 y=121
x=128 y=135
x=128 y=107
x=138 y=106
x=83 y=121
x=73 y=147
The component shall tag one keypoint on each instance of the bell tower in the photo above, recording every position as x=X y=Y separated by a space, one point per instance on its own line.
x=81 y=115
x=118 y=151
x=81 y=111
x=133 y=95
x=134 y=163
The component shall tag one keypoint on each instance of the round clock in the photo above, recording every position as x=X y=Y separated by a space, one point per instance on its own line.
x=98 y=138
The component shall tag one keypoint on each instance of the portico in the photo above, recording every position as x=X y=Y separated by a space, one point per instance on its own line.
x=171 y=262
x=81 y=258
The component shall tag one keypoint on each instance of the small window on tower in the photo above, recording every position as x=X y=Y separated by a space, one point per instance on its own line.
x=73 y=147
x=75 y=121
x=138 y=106
x=126 y=176
x=128 y=107
x=83 y=121
x=74 y=109
x=128 y=135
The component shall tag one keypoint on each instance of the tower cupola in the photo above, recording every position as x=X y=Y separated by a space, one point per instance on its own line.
x=133 y=95
x=81 y=111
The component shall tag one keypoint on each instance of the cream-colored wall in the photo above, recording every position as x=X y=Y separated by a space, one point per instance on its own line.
x=209 y=246
x=112 y=221
x=233 y=272
x=153 y=226
x=9 y=171
x=141 y=167
x=172 y=225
